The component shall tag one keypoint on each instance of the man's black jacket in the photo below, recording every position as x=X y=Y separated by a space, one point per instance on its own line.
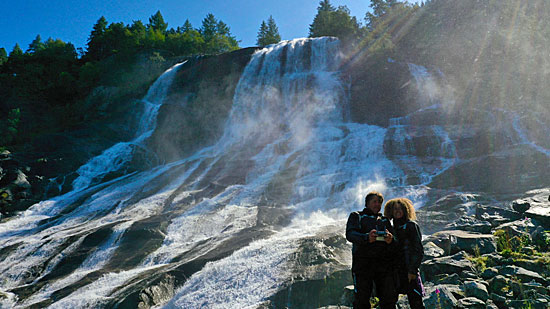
x=357 y=232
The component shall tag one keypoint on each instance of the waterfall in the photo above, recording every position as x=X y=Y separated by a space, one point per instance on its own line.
x=423 y=150
x=290 y=105
x=117 y=156
x=287 y=166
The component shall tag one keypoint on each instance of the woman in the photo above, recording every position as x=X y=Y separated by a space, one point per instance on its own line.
x=408 y=235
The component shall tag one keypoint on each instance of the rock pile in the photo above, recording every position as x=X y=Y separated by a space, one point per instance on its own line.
x=498 y=257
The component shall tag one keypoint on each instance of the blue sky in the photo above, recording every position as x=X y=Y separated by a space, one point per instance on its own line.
x=72 y=20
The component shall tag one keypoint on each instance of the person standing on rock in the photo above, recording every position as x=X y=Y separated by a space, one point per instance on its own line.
x=411 y=252
x=374 y=251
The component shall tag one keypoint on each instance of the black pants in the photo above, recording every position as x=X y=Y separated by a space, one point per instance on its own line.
x=413 y=289
x=384 y=279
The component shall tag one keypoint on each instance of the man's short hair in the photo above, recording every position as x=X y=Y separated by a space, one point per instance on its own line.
x=373 y=195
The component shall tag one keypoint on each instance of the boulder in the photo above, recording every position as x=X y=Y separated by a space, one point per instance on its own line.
x=19 y=188
x=442 y=242
x=540 y=212
x=536 y=266
x=496 y=215
x=432 y=251
x=530 y=289
x=519 y=228
x=437 y=267
x=521 y=206
x=476 y=289
x=468 y=275
x=522 y=274
x=453 y=279
x=489 y=273
x=471 y=224
x=320 y=268
x=499 y=300
x=540 y=303
x=348 y=295
x=498 y=285
x=471 y=302
x=441 y=296
x=491 y=305
x=541 y=238
x=539 y=206
x=465 y=241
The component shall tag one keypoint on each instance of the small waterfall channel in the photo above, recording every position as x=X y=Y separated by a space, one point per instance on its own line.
x=115 y=157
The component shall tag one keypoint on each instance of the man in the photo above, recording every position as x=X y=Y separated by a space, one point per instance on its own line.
x=374 y=251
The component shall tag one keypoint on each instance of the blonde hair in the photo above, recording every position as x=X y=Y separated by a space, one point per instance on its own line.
x=406 y=206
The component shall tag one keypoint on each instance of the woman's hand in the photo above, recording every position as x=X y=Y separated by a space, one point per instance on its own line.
x=411 y=277
x=388 y=238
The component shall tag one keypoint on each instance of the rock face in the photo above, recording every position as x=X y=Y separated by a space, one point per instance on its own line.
x=321 y=270
x=381 y=89
x=201 y=96
x=19 y=187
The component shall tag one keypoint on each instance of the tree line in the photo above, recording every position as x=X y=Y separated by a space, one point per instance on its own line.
x=43 y=87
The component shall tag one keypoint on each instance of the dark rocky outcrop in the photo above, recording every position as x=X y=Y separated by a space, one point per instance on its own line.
x=320 y=272
x=201 y=96
x=381 y=89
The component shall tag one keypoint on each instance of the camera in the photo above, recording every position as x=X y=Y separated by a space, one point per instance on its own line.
x=380 y=233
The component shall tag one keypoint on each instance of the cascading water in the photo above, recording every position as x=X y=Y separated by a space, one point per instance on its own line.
x=540 y=142
x=288 y=166
x=422 y=150
x=114 y=158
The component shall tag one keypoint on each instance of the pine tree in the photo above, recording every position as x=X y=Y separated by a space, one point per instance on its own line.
x=16 y=51
x=186 y=27
x=36 y=45
x=3 y=55
x=156 y=22
x=96 y=42
x=217 y=36
x=209 y=26
x=262 y=33
x=268 y=33
x=334 y=22
x=118 y=38
x=379 y=9
x=139 y=32
x=325 y=6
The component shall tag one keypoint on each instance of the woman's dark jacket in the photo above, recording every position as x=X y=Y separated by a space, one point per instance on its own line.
x=410 y=242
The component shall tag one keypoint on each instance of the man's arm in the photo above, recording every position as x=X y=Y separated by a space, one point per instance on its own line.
x=353 y=230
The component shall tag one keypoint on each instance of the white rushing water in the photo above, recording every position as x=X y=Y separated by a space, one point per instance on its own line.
x=288 y=142
x=114 y=158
